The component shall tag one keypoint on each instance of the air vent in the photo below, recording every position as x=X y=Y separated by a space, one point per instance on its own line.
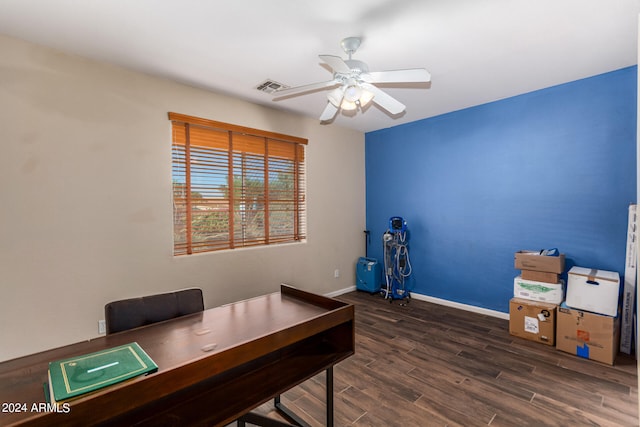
x=270 y=86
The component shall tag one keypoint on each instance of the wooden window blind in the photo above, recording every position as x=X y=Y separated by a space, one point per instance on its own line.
x=234 y=186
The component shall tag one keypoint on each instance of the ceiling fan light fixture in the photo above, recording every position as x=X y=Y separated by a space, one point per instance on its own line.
x=352 y=93
x=365 y=98
x=348 y=105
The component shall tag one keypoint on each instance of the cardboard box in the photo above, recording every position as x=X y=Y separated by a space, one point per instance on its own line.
x=552 y=293
x=593 y=290
x=540 y=276
x=531 y=260
x=589 y=335
x=532 y=320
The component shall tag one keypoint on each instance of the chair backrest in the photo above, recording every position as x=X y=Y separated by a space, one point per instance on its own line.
x=134 y=312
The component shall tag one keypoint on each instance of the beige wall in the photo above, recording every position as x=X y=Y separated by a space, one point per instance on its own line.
x=85 y=198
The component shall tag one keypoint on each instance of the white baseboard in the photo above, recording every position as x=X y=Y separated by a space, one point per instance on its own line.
x=439 y=301
x=466 y=307
x=340 y=292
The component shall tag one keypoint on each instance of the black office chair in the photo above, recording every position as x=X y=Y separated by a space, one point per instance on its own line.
x=134 y=312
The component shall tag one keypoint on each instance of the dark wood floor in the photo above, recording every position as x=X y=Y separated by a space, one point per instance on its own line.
x=423 y=364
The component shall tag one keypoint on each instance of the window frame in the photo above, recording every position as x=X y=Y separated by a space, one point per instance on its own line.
x=295 y=149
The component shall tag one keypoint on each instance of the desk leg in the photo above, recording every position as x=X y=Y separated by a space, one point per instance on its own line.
x=261 y=420
x=291 y=416
x=329 y=391
x=288 y=413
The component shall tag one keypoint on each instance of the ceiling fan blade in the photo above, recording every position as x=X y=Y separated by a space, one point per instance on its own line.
x=329 y=112
x=336 y=63
x=285 y=93
x=412 y=75
x=384 y=100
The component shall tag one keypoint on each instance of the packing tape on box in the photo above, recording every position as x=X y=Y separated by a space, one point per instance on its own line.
x=592 y=275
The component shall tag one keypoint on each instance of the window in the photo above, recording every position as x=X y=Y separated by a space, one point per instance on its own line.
x=234 y=186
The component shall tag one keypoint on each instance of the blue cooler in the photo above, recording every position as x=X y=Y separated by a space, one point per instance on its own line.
x=368 y=275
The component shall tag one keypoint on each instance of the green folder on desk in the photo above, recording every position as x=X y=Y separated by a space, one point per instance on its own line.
x=75 y=376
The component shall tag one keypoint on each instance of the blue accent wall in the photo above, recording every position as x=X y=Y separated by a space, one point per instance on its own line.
x=551 y=168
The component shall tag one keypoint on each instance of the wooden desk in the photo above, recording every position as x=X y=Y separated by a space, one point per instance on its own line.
x=263 y=347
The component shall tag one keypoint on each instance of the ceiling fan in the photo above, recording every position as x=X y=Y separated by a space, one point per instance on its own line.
x=354 y=85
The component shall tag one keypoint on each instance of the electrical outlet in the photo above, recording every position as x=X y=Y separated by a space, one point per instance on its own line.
x=102 y=327
x=336 y=273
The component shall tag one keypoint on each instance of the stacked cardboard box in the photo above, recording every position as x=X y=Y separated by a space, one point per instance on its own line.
x=593 y=290
x=537 y=292
x=588 y=322
x=532 y=320
x=586 y=334
x=585 y=324
x=539 y=268
x=552 y=293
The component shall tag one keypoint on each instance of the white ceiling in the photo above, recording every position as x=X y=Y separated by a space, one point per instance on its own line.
x=476 y=50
